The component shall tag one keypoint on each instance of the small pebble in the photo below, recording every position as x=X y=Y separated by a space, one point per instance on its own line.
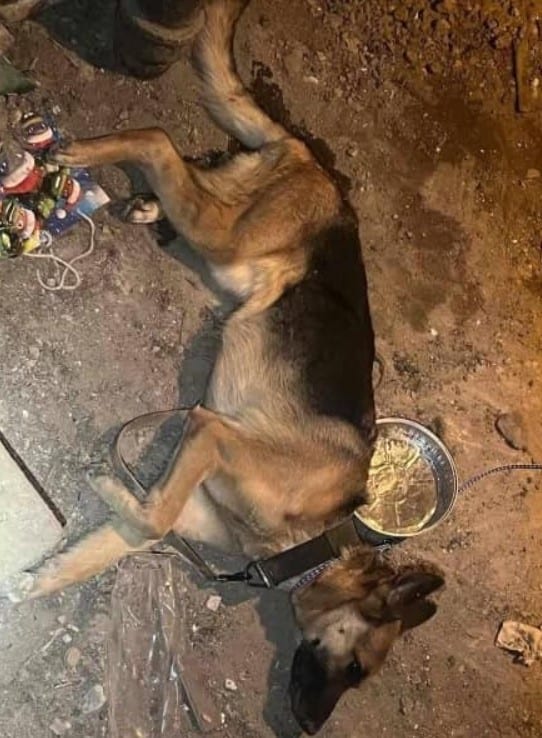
x=230 y=685
x=512 y=428
x=66 y=638
x=59 y=727
x=94 y=700
x=72 y=657
x=213 y=603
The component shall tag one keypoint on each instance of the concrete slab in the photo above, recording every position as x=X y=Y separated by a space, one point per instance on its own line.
x=28 y=528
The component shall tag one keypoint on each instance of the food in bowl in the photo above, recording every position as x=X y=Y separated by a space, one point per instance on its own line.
x=401 y=489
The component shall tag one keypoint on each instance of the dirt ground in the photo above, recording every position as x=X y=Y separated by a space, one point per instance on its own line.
x=413 y=104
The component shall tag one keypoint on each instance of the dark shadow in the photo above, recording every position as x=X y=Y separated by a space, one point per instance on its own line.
x=276 y=616
x=85 y=27
x=198 y=360
x=269 y=97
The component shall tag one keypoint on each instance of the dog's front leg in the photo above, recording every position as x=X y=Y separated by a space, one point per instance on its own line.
x=137 y=526
x=197 y=458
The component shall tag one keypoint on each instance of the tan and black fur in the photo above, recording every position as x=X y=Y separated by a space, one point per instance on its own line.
x=281 y=447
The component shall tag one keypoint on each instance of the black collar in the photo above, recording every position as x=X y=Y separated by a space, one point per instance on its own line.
x=293 y=562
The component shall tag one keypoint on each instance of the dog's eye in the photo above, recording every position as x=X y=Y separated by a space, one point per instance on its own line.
x=354 y=672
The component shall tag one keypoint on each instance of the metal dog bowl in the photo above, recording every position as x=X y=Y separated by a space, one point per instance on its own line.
x=438 y=460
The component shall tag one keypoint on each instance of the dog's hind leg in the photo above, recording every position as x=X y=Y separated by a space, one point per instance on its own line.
x=202 y=205
x=143 y=209
x=169 y=176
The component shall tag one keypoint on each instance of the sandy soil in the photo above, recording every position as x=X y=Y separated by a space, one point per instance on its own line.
x=413 y=105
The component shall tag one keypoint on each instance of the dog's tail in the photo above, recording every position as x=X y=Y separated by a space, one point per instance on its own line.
x=92 y=555
x=224 y=97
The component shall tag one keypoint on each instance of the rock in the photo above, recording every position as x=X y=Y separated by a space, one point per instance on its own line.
x=512 y=428
x=72 y=657
x=59 y=727
x=213 y=603
x=94 y=700
x=230 y=685
x=533 y=173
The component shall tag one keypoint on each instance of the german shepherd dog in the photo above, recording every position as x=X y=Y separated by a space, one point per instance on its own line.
x=281 y=447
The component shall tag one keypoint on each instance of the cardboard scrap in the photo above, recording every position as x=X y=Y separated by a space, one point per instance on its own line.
x=524 y=640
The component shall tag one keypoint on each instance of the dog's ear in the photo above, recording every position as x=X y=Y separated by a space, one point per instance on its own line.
x=416 y=614
x=406 y=599
x=407 y=588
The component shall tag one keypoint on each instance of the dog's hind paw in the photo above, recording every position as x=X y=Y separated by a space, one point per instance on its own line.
x=73 y=154
x=143 y=210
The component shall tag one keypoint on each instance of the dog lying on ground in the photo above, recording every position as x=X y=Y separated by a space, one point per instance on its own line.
x=281 y=448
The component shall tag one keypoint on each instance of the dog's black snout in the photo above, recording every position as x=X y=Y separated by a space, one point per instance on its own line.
x=301 y=711
x=313 y=694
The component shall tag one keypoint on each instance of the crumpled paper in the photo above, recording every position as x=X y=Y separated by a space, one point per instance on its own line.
x=524 y=640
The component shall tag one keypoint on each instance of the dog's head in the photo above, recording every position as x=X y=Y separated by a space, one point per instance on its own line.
x=349 y=618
